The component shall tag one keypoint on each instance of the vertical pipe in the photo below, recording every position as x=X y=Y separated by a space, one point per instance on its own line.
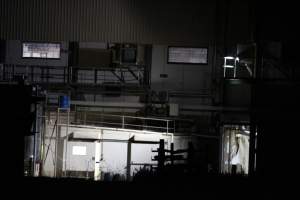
x=67 y=139
x=224 y=67
x=97 y=172
x=128 y=159
x=43 y=139
x=4 y=72
x=56 y=143
x=229 y=152
x=42 y=74
x=13 y=72
x=64 y=75
x=167 y=126
x=34 y=140
x=101 y=157
x=221 y=146
x=174 y=127
x=252 y=150
x=87 y=169
x=234 y=74
x=172 y=154
x=32 y=71
x=95 y=76
x=75 y=114
x=48 y=75
x=161 y=156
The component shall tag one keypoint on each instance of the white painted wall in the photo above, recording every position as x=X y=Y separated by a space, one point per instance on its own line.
x=114 y=158
x=113 y=149
x=80 y=162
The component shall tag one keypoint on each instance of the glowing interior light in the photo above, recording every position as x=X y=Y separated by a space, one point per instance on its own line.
x=229 y=58
x=79 y=150
x=237 y=59
x=228 y=66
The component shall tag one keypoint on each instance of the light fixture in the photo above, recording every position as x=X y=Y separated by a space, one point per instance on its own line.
x=229 y=58
x=228 y=66
x=225 y=66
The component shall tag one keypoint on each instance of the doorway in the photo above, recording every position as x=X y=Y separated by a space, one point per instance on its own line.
x=235 y=145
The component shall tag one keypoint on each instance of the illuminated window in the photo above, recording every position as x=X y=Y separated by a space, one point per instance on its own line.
x=41 y=50
x=79 y=150
x=187 y=55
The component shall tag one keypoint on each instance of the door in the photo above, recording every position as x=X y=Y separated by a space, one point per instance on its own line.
x=235 y=149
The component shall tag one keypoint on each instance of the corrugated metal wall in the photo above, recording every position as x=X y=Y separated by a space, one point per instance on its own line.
x=160 y=22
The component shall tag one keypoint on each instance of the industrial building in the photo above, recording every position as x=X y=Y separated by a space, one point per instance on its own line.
x=130 y=90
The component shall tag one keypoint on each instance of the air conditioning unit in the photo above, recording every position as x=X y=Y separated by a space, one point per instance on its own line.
x=127 y=54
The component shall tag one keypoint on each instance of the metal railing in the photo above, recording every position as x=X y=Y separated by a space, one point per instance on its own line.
x=120 y=121
x=63 y=74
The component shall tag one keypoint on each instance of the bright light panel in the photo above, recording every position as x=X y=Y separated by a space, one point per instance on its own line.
x=41 y=50
x=79 y=150
x=188 y=55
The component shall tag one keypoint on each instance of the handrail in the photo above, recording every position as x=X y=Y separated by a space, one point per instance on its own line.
x=133 y=117
x=121 y=121
x=61 y=73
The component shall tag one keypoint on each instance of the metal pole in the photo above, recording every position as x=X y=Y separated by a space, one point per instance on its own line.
x=224 y=67
x=167 y=126
x=229 y=153
x=67 y=138
x=123 y=121
x=43 y=139
x=161 y=156
x=87 y=169
x=56 y=144
x=64 y=75
x=172 y=154
x=221 y=145
x=4 y=71
x=128 y=159
x=174 y=127
x=34 y=139
x=252 y=148
x=234 y=74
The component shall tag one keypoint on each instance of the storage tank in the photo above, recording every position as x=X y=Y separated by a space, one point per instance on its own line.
x=64 y=101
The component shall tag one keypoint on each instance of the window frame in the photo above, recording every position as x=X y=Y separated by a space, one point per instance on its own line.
x=42 y=42
x=77 y=150
x=188 y=47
